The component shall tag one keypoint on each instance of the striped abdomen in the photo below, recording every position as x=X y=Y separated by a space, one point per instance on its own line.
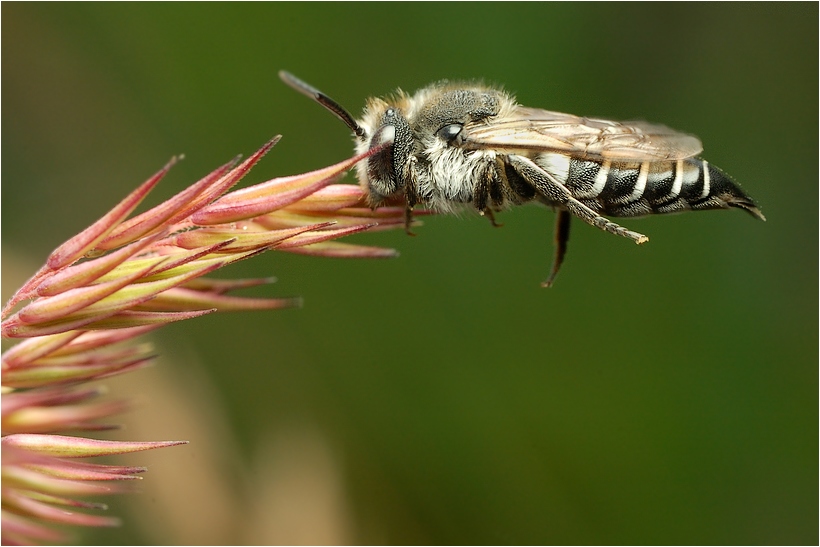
x=635 y=189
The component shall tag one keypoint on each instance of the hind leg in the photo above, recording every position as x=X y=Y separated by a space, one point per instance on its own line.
x=554 y=192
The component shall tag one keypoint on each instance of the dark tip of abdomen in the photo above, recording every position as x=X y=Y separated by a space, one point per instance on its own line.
x=731 y=193
x=748 y=206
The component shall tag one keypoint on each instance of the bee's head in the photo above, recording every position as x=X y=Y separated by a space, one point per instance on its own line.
x=383 y=172
x=427 y=128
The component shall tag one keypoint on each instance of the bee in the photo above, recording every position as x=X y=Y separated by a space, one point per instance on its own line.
x=452 y=145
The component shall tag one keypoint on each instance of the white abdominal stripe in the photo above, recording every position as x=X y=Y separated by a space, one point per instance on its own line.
x=643 y=188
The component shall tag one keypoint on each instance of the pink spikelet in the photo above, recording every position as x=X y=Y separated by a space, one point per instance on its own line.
x=77 y=318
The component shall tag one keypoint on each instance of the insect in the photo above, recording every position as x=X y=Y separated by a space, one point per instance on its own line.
x=453 y=144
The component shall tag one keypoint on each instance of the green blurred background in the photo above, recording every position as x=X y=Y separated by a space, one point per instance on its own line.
x=658 y=394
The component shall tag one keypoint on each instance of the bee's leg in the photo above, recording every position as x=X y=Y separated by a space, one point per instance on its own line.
x=408 y=220
x=410 y=195
x=555 y=192
x=562 y=223
x=484 y=189
x=495 y=182
x=490 y=215
x=410 y=201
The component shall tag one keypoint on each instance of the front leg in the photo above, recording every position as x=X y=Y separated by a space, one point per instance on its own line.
x=411 y=197
x=408 y=220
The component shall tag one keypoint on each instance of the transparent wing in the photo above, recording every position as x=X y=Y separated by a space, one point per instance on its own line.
x=589 y=138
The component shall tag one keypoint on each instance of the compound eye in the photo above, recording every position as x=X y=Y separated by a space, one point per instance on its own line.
x=450 y=133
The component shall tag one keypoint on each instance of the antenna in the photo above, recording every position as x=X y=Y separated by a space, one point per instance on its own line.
x=337 y=109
